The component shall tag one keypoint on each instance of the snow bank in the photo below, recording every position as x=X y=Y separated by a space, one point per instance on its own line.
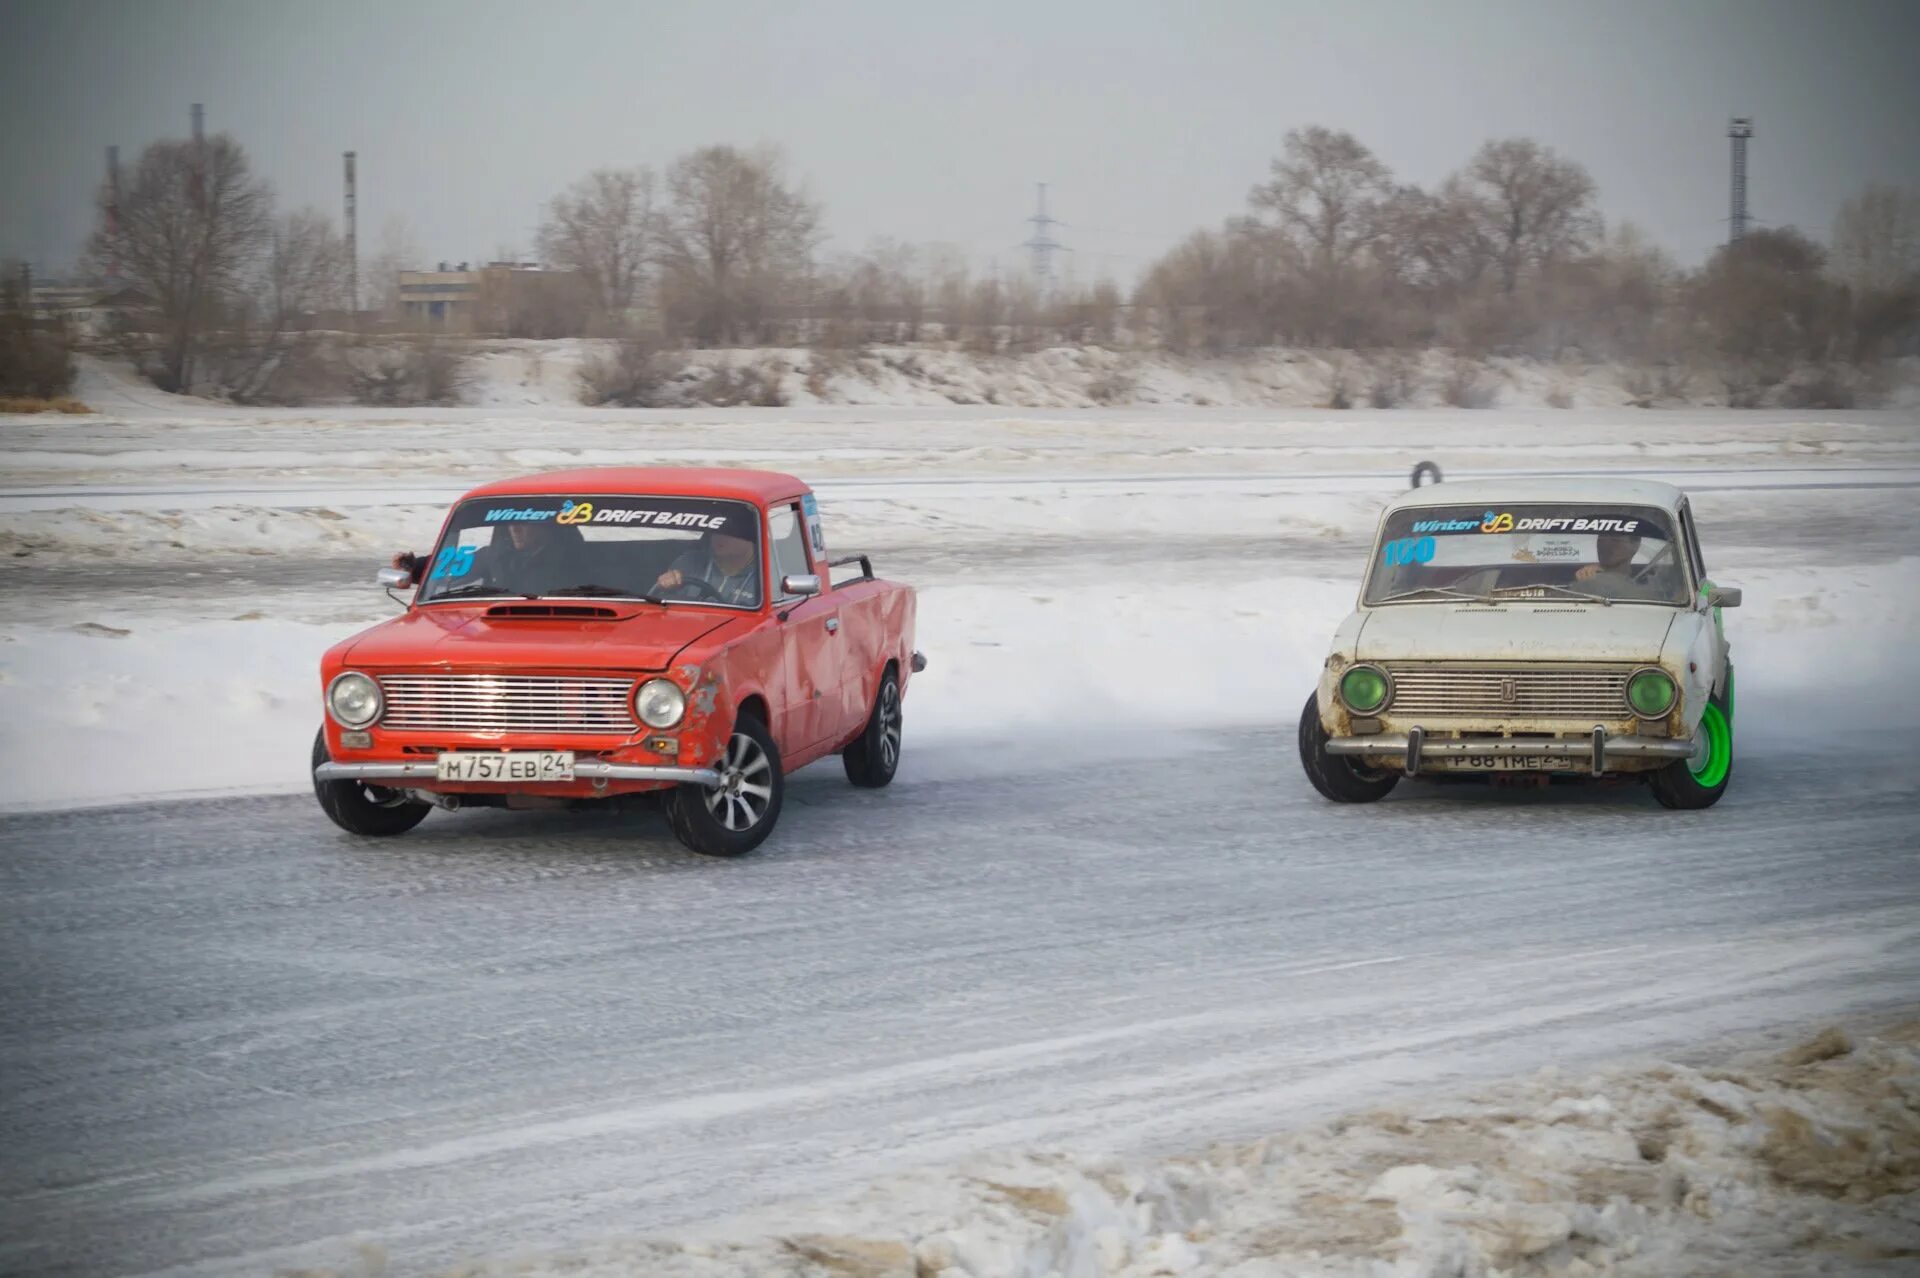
x=117 y=702
x=1805 y=1161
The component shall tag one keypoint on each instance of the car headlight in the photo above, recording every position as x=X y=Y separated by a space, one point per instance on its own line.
x=659 y=703
x=354 y=700
x=1364 y=689
x=1650 y=693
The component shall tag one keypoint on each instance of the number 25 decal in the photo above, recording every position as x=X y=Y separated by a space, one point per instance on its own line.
x=454 y=561
x=1407 y=551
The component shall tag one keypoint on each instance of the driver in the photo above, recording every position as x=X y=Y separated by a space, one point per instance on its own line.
x=531 y=558
x=1613 y=575
x=729 y=565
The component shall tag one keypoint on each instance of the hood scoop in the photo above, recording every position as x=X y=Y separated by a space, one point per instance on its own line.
x=551 y=612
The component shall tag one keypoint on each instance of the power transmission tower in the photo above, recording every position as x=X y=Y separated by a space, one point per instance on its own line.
x=1043 y=246
x=1738 y=131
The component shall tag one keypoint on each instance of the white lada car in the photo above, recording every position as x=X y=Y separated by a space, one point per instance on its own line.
x=1544 y=626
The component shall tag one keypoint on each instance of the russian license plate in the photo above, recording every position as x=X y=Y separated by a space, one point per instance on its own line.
x=1498 y=763
x=511 y=765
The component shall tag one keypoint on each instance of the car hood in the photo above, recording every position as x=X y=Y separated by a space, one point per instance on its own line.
x=1548 y=631
x=455 y=638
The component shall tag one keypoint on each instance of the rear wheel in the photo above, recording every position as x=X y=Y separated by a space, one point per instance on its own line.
x=1337 y=776
x=874 y=755
x=373 y=811
x=734 y=817
x=1698 y=782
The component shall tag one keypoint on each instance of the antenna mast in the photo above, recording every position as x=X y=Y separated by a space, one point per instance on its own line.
x=1738 y=131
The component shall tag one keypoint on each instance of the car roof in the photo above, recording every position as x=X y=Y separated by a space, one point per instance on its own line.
x=758 y=486
x=1499 y=492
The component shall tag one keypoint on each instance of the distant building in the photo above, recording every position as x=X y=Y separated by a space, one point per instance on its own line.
x=439 y=299
x=500 y=299
x=88 y=310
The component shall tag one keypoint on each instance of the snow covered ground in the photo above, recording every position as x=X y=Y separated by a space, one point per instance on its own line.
x=1768 y=1163
x=546 y=376
x=1098 y=589
x=177 y=577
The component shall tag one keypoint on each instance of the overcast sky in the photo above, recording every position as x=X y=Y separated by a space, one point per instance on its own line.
x=932 y=122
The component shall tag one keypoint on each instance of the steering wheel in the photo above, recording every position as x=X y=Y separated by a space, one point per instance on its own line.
x=699 y=584
x=1639 y=575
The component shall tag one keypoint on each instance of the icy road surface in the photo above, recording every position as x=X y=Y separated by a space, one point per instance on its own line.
x=1100 y=907
x=238 y=1039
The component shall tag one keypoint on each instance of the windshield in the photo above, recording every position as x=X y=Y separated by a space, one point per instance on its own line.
x=1551 y=551
x=687 y=549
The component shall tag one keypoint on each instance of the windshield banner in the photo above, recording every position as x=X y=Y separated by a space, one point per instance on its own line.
x=1445 y=522
x=689 y=515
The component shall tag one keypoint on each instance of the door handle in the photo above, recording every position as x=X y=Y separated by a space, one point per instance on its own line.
x=833 y=625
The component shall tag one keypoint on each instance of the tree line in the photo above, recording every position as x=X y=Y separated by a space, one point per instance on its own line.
x=1509 y=255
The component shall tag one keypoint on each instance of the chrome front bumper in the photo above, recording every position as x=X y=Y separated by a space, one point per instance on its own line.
x=1589 y=753
x=585 y=770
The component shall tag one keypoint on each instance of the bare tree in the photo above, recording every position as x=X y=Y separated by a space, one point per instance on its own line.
x=1876 y=239
x=1767 y=306
x=190 y=224
x=380 y=278
x=305 y=270
x=735 y=240
x=302 y=273
x=603 y=227
x=1325 y=190
x=1529 y=206
x=1324 y=201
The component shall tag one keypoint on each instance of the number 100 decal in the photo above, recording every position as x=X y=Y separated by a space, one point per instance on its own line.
x=1409 y=550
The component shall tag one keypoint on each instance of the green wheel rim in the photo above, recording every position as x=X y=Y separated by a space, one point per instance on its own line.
x=1711 y=770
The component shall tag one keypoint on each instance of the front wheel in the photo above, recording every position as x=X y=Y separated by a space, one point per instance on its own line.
x=734 y=817
x=874 y=755
x=372 y=811
x=1698 y=782
x=1337 y=776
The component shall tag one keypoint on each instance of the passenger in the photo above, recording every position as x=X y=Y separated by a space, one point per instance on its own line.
x=535 y=558
x=729 y=565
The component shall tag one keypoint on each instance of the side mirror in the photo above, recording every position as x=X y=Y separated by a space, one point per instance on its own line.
x=394 y=578
x=802 y=584
x=1723 y=597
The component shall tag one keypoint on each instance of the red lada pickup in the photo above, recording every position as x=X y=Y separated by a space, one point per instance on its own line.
x=588 y=634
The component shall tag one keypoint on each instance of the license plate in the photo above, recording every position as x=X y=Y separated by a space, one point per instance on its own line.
x=514 y=765
x=1498 y=763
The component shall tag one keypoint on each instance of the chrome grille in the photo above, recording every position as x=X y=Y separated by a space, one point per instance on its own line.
x=1497 y=692
x=507 y=703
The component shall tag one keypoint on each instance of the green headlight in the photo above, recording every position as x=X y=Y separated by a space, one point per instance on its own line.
x=1650 y=693
x=1363 y=688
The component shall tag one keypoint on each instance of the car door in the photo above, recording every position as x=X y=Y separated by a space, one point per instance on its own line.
x=1696 y=560
x=811 y=667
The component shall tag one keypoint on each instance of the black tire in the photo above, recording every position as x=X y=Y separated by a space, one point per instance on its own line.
x=1423 y=469
x=735 y=817
x=1337 y=777
x=1690 y=784
x=371 y=811
x=874 y=755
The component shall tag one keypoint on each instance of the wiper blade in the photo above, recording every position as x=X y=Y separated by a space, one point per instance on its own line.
x=1445 y=591
x=621 y=592
x=477 y=588
x=1564 y=590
